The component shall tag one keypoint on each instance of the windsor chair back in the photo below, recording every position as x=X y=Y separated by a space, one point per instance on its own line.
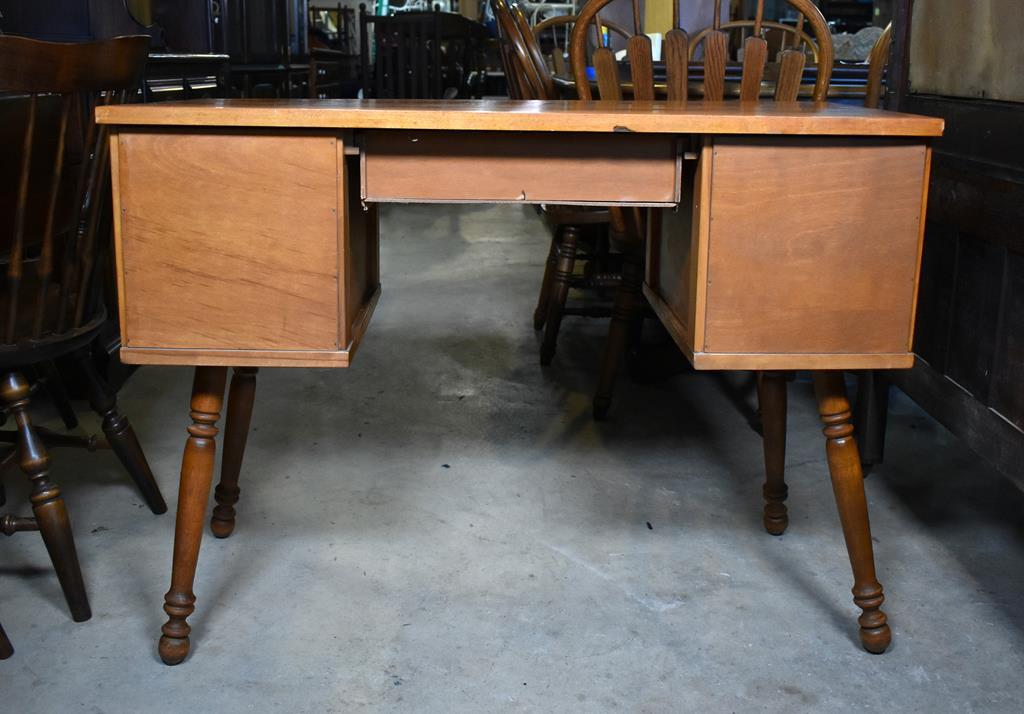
x=678 y=49
x=55 y=264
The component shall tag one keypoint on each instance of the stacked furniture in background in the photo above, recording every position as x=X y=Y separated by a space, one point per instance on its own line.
x=420 y=55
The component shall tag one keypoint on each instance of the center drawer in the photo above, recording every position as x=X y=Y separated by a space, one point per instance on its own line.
x=502 y=167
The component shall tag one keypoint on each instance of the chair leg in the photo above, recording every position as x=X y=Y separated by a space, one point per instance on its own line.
x=771 y=394
x=236 y=431
x=47 y=503
x=565 y=261
x=55 y=388
x=6 y=650
x=193 y=496
x=120 y=434
x=848 y=485
x=870 y=413
x=627 y=298
x=540 y=313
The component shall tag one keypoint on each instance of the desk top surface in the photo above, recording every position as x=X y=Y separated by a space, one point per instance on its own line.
x=803 y=118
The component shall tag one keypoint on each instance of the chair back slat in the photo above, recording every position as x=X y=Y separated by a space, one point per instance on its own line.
x=716 y=56
x=16 y=257
x=45 y=270
x=69 y=223
x=97 y=191
x=641 y=67
x=677 y=63
x=606 y=70
x=755 y=54
x=791 y=72
x=558 y=60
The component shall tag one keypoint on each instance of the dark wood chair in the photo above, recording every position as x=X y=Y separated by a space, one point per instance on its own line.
x=830 y=389
x=420 y=55
x=52 y=302
x=598 y=237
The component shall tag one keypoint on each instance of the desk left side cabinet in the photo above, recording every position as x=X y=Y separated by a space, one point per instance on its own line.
x=241 y=248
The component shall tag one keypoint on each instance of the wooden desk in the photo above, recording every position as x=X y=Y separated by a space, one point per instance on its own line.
x=782 y=237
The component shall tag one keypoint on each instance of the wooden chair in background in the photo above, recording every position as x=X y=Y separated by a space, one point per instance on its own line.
x=579 y=234
x=52 y=302
x=830 y=389
x=785 y=36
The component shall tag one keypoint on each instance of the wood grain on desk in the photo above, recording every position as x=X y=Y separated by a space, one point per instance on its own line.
x=242 y=249
x=803 y=118
x=792 y=253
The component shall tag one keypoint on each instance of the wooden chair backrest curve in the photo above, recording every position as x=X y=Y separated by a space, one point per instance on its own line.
x=677 y=52
x=789 y=35
x=555 y=24
x=52 y=276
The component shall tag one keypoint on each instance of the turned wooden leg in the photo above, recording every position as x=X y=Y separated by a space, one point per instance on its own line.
x=564 y=263
x=627 y=297
x=236 y=431
x=848 y=485
x=771 y=393
x=540 y=313
x=120 y=434
x=47 y=503
x=193 y=495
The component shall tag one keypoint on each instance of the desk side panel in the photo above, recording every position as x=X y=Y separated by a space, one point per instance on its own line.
x=813 y=250
x=228 y=241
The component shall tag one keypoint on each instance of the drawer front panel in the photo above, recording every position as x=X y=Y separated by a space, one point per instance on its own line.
x=496 y=167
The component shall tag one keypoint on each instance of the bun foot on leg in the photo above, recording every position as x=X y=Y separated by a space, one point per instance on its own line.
x=174 y=643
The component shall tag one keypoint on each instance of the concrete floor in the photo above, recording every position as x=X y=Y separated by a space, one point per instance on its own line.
x=444 y=528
